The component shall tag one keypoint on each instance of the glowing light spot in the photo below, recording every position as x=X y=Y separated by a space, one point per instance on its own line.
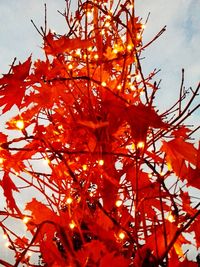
x=138 y=36
x=132 y=146
x=140 y=144
x=107 y=24
x=1 y=160
x=20 y=124
x=96 y=56
x=118 y=203
x=150 y=175
x=26 y=220
x=84 y=167
x=69 y=57
x=108 y=17
x=115 y=51
x=89 y=48
x=121 y=235
x=129 y=47
x=60 y=127
x=72 y=225
x=170 y=218
x=169 y=166
x=103 y=84
x=78 y=52
x=119 y=86
x=89 y=13
x=70 y=66
x=143 y=26
x=69 y=200
x=101 y=162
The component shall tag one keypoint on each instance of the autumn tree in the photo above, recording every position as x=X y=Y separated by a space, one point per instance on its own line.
x=97 y=175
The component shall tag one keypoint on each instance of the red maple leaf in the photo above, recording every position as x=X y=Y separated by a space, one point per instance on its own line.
x=140 y=118
x=178 y=152
x=13 y=85
x=181 y=132
x=8 y=188
x=40 y=212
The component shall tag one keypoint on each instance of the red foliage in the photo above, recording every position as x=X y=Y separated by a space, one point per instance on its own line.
x=103 y=169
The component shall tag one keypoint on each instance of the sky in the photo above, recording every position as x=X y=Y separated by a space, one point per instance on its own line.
x=177 y=48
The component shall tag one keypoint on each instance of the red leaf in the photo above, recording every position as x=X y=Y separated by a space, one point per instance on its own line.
x=177 y=153
x=194 y=177
x=19 y=73
x=14 y=85
x=8 y=188
x=40 y=212
x=142 y=117
x=3 y=138
x=181 y=132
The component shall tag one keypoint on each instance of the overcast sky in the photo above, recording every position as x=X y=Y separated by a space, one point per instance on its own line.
x=177 y=48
